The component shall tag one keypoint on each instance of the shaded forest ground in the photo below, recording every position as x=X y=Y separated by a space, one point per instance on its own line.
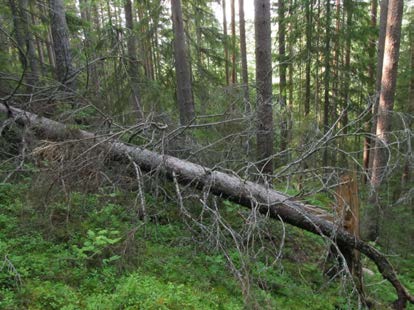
x=91 y=250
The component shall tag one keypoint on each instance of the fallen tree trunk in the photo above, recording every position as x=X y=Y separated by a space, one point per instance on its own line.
x=251 y=195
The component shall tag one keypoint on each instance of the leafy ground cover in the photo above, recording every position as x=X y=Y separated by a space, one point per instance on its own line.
x=86 y=251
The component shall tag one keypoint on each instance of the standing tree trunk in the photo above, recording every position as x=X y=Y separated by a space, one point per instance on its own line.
x=30 y=45
x=85 y=10
x=308 y=56
x=282 y=52
x=243 y=52
x=264 y=86
x=60 y=33
x=317 y=62
x=203 y=91
x=50 y=52
x=38 y=38
x=182 y=69
x=290 y=76
x=326 y=78
x=144 y=21
x=225 y=44
x=381 y=47
x=152 y=25
x=49 y=39
x=336 y=78
x=233 y=43
x=24 y=38
x=371 y=70
x=386 y=105
x=282 y=76
x=407 y=175
x=133 y=69
x=348 y=5
x=157 y=59
x=388 y=85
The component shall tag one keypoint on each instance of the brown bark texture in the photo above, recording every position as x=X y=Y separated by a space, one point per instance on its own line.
x=233 y=43
x=407 y=176
x=225 y=43
x=388 y=86
x=367 y=140
x=282 y=76
x=264 y=86
x=308 y=56
x=267 y=201
x=243 y=54
x=381 y=47
x=24 y=38
x=60 y=33
x=85 y=8
x=348 y=5
x=336 y=79
x=182 y=68
x=133 y=68
x=327 y=51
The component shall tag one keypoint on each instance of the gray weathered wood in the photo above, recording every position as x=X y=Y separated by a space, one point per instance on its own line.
x=252 y=195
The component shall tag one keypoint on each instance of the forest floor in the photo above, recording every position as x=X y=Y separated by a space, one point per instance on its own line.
x=86 y=251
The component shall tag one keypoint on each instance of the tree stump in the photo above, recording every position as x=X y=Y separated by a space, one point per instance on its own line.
x=347 y=213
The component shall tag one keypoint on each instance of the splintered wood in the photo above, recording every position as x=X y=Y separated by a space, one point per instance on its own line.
x=347 y=213
x=347 y=205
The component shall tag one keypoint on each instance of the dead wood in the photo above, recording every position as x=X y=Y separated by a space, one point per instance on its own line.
x=246 y=193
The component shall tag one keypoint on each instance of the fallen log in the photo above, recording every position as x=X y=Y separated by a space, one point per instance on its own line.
x=246 y=193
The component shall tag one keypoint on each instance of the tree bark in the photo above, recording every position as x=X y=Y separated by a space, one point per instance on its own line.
x=326 y=78
x=290 y=76
x=318 y=62
x=243 y=53
x=24 y=38
x=407 y=175
x=182 y=69
x=348 y=6
x=149 y=60
x=282 y=77
x=385 y=108
x=282 y=51
x=225 y=44
x=336 y=63
x=380 y=60
x=133 y=69
x=64 y=68
x=49 y=40
x=38 y=39
x=388 y=86
x=245 y=193
x=85 y=7
x=264 y=86
x=233 y=43
x=30 y=46
x=308 y=56
x=367 y=140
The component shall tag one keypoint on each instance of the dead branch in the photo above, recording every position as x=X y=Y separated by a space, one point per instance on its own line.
x=246 y=193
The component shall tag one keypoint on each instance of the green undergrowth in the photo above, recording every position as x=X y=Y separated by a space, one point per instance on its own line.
x=87 y=251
